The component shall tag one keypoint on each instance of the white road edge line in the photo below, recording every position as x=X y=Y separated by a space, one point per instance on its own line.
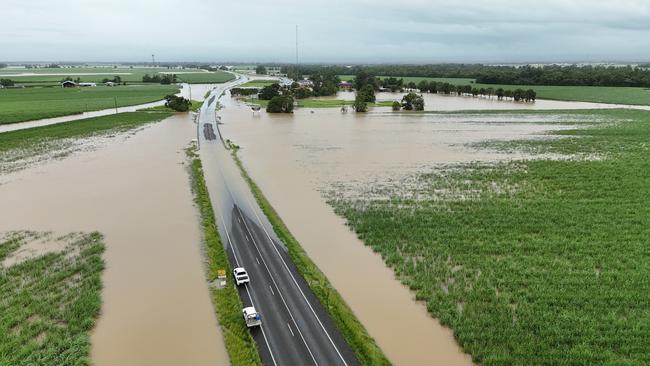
x=294 y=280
x=279 y=292
x=248 y=293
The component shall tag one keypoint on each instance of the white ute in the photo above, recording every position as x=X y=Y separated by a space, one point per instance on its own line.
x=240 y=275
x=252 y=317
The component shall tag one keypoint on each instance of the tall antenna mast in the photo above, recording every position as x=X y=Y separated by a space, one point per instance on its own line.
x=296 y=45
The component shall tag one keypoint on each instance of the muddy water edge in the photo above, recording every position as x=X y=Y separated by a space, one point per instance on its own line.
x=156 y=306
x=294 y=157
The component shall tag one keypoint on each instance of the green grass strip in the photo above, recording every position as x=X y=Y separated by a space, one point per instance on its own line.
x=239 y=342
x=364 y=346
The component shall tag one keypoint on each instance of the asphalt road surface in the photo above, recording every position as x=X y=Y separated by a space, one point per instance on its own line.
x=296 y=330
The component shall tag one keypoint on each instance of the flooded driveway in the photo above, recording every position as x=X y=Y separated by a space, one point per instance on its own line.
x=294 y=158
x=156 y=306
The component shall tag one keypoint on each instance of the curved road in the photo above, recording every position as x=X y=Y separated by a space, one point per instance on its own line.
x=296 y=330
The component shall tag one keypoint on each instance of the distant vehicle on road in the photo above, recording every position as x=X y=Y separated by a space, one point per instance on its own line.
x=252 y=317
x=241 y=276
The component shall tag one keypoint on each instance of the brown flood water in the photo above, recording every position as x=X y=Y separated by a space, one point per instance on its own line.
x=294 y=157
x=156 y=306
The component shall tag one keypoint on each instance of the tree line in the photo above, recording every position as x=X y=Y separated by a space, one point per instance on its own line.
x=528 y=95
x=575 y=75
x=162 y=79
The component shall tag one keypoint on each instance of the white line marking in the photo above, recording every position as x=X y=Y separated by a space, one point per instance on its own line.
x=248 y=240
x=272 y=290
x=288 y=326
x=279 y=292
x=294 y=280
x=248 y=293
x=258 y=260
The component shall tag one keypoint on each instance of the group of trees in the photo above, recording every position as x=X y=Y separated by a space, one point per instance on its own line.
x=2 y=66
x=365 y=85
x=157 y=78
x=517 y=95
x=269 y=91
x=325 y=83
x=411 y=102
x=244 y=92
x=280 y=99
x=177 y=103
x=515 y=75
x=260 y=70
x=116 y=79
x=7 y=82
x=280 y=104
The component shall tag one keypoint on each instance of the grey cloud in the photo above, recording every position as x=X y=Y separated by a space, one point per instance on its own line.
x=332 y=31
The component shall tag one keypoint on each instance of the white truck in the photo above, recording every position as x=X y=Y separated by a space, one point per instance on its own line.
x=240 y=275
x=252 y=317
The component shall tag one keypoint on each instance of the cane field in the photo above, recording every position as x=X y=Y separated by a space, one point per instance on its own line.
x=18 y=105
x=530 y=262
x=49 y=301
x=53 y=76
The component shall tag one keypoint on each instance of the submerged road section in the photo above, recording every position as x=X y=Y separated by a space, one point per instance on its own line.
x=296 y=329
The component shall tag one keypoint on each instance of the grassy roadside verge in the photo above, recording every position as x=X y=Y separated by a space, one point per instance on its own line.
x=364 y=346
x=239 y=343
x=49 y=301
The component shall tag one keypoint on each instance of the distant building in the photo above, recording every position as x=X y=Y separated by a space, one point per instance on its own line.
x=346 y=85
x=87 y=84
x=306 y=83
x=68 y=84
x=109 y=83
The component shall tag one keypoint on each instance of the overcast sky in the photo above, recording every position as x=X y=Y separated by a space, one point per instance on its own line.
x=341 y=31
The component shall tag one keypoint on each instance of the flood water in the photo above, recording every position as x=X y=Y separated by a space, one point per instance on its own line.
x=441 y=102
x=294 y=158
x=156 y=305
x=197 y=91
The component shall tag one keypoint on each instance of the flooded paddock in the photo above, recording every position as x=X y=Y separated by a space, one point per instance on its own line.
x=156 y=305
x=294 y=158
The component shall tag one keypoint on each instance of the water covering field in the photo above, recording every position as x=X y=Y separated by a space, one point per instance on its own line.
x=595 y=94
x=529 y=261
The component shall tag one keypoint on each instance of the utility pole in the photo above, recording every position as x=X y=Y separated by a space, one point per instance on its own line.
x=153 y=60
x=115 y=100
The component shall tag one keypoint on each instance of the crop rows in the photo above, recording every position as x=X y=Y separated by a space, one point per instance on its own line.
x=49 y=303
x=554 y=272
